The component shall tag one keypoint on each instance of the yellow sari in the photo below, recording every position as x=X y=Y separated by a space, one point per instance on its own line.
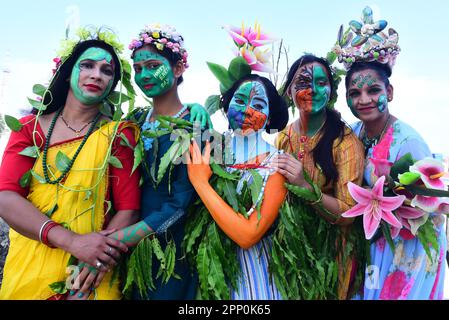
x=32 y=266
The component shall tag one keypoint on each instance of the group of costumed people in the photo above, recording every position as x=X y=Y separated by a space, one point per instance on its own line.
x=151 y=205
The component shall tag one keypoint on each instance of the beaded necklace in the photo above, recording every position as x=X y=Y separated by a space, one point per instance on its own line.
x=47 y=144
x=369 y=142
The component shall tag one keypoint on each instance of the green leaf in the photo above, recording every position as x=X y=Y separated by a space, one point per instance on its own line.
x=58 y=287
x=25 y=180
x=408 y=178
x=219 y=171
x=202 y=263
x=387 y=235
x=256 y=185
x=88 y=195
x=221 y=74
x=176 y=121
x=138 y=156
x=37 y=104
x=212 y=104
x=415 y=190
x=238 y=68
x=401 y=166
x=115 y=162
x=13 y=123
x=63 y=162
x=302 y=193
x=106 y=110
x=118 y=98
x=32 y=152
x=172 y=153
x=230 y=194
x=38 y=177
x=52 y=210
x=39 y=89
x=124 y=141
x=331 y=57
x=117 y=114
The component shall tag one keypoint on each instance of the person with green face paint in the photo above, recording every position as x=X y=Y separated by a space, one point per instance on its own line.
x=321 y=145
x=55 y=198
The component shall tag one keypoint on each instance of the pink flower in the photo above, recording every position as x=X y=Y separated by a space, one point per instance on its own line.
x=163 y=40
x=251 y=36
x=169 y=44
x=148 y=40
x=258 y=60
x=382 y=167
x=431 y=172
x=373 y=206
x=429 y=204
x=405 y=214
x=394 y=286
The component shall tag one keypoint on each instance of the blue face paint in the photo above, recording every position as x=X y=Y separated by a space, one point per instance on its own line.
x=249 y=107
x=382 y=103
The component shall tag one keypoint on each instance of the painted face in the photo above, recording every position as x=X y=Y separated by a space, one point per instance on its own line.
x=310 y=88
x=154 y=74
x=92 y=76
x=249 y=107
x=366 y=95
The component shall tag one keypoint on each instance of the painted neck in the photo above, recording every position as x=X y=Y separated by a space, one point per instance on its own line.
x=167 y=104
x=247 y=147
x=309 y=124
x=77 y=112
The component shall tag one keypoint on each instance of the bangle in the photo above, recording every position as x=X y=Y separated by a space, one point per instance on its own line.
x=42 y=228
x=320 y=198
x=45 y=232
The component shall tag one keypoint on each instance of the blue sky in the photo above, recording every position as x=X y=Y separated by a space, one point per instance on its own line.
x=30 y=32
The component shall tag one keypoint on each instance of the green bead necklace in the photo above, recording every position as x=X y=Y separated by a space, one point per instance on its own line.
x=47 y=143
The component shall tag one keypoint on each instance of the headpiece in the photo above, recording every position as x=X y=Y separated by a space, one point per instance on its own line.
x=365 y=41
x=249 y=57
x=161 y=36
x=67 y=55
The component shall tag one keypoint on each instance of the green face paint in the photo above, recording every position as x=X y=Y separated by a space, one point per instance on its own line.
x=351 y=107
x=382 y=103
x=321 y=89
x=360 y=80
x=86 y=97
x=154 y=79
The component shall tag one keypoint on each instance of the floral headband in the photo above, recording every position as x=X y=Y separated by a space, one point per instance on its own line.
x=365 y=41
x=161 y=37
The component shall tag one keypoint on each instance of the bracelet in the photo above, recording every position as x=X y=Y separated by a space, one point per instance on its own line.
x=320 y=198
x=45 y=232
x=42 y=228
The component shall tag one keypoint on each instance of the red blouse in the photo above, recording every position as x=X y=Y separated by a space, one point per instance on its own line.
x=123 y=187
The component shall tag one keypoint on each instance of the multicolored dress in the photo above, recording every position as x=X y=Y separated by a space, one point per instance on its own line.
x=407 y=273
x=82 y=203
x=256 y=282
x=348 y=158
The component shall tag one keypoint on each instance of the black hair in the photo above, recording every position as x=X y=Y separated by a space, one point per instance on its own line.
x=172 y=57
x=333 y=128
x=278 y=110
x=59 y=86
x=383 y=71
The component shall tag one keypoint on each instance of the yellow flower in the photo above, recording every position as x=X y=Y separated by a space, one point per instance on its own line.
x=155 y=35
x=159 y=46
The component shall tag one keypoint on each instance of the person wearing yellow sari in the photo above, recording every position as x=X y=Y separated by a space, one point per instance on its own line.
x=65 y=169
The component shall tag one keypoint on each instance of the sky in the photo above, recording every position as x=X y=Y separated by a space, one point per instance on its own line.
x=30 y=33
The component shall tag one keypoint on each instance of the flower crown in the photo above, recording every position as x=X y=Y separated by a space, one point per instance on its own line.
x=365 y=41
x=161 y=37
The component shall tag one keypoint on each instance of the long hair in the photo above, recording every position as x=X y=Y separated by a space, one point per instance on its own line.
x=59 y=87
x=278 y=110
x=333 y=128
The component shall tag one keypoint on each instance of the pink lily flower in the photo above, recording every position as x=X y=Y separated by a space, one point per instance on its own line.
x=428 y=204
x=373 y=206
x=407 y=214
x=444 y=206
x=382 y=167
x=252 y=36
x=431 y=172
x=257 y=59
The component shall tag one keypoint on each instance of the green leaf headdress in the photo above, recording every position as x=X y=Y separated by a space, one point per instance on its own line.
x=53 y=97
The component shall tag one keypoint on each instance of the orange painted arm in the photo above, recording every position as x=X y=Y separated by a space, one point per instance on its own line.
x=245 y=232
